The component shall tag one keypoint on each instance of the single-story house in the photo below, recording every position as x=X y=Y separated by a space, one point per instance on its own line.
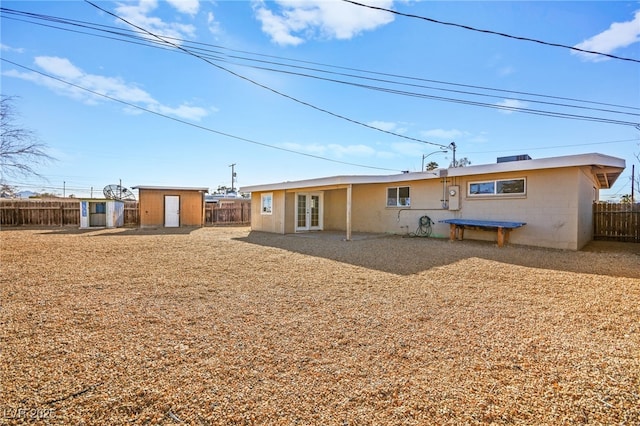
x=553 y=196
x=170 y=207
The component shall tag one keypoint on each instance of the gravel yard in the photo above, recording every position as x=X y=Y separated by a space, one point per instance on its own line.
x=224 y=326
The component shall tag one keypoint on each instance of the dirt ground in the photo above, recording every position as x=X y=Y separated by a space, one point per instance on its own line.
x=224 y=326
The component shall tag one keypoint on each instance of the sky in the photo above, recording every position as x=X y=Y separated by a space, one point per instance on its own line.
x=172 y=93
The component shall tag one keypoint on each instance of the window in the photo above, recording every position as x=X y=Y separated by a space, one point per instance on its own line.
x=266 y=203
x=498 y=187
x=101 y=208
x=398 y=197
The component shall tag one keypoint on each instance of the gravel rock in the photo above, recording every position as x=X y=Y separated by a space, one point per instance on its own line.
x=224 y=326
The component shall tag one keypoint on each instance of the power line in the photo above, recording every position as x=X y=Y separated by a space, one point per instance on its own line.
x=205 y=52
x=177 y=46
x=164 y=43
x=556 y=146
x=193 y=124
x=467 y=27
x=144 y=41
x=264 y=144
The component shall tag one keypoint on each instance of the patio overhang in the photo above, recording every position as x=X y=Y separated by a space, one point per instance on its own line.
x=606 y=176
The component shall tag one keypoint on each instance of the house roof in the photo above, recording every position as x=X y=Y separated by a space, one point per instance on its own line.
x=170 y=188
x=605 y=168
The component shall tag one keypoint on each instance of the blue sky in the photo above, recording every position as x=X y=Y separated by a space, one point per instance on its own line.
x=290 y=90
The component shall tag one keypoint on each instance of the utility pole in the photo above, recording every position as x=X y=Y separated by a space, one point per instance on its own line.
x=453 y=148
x=633 y=178
x=233 y=176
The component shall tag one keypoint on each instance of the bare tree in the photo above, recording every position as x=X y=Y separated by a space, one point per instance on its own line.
x=7 y=191
x=20 y=148
x=462 y=162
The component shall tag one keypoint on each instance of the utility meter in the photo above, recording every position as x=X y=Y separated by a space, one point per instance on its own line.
x=454 y=197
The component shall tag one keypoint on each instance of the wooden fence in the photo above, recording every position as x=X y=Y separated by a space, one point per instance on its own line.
x=66 y=212
x=39 y=212
x=227 y=214
x=616 y=222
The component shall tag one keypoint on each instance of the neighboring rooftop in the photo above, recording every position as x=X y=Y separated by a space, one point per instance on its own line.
x=171 y=188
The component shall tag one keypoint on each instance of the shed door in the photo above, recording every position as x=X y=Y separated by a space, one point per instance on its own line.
x=172 y=211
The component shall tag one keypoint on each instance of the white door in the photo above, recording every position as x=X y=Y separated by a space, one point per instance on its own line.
x=309 y=211
x=172 y=211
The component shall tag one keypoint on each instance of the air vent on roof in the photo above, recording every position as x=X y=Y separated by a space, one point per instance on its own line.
x=514 y=158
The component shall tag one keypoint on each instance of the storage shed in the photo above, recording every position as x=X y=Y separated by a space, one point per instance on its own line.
x=171 y=207
x=101 y=213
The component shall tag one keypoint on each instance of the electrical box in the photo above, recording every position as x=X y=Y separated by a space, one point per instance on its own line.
x=453 y=192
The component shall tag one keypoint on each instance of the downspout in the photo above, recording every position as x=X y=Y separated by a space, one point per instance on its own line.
x=349 y=199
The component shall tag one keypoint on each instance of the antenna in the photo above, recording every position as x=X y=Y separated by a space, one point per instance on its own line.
x=118 y=192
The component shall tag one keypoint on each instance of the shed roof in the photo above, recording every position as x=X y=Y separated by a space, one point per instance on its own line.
x=170 y=188
x=604 y=167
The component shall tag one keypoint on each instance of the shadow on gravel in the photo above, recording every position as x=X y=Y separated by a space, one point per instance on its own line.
x=404 y=256
x=118 y=232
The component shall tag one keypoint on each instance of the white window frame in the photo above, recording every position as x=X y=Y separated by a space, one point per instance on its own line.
x=495 y=192
x=397 y=198
x=266 y=203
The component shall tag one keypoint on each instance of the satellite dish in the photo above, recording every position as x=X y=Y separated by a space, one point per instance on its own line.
x=118 y=192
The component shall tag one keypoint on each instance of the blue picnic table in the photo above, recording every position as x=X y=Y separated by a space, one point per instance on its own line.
x=457 y=226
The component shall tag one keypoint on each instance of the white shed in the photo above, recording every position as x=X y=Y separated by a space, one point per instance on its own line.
x=101 y=213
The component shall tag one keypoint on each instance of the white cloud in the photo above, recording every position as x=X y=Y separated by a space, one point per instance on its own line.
x=5 y=48
x=383 y=125
x=618 y=35
x=508 y=105
x=295 y=21
x=341 y=151
x=334 y=150
x=112 y=87
x=139 y=15
x=213 y=24
x=412 y=149
x=189 y=7
x=277 y=28
x=505 y=71
x=60 y=67
x=445 y=134
x=314 y=149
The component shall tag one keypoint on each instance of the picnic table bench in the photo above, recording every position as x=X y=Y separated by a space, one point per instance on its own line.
x=457 y=226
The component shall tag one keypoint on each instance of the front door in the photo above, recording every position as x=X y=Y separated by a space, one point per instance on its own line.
x=172 y=211
x=309 y=211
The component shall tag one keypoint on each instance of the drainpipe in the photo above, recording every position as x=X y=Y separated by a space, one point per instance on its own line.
x=349 y=187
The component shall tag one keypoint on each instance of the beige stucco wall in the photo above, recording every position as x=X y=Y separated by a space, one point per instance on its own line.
x=370 y=213
x=335 y=216
x=290 y=212
x=589 y=193
x=273 y=222
x=557 y=208
x=549 y=208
